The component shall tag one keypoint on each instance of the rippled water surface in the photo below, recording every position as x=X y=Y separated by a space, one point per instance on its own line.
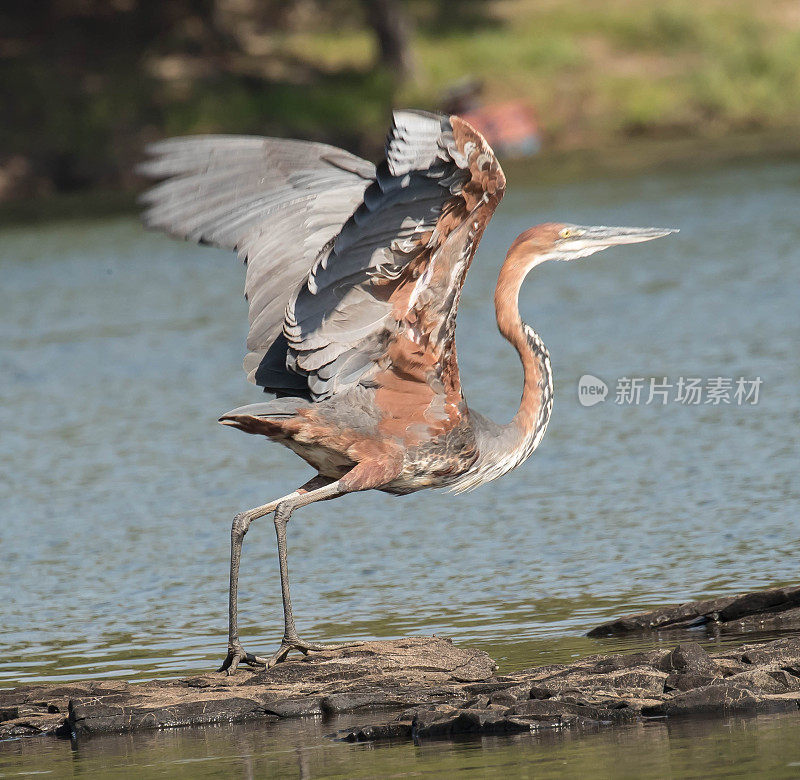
x=120 y=349
x=763 y=747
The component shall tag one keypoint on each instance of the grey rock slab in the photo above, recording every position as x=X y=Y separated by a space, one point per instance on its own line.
x=776 y=607
x=90 y=716
x=373 y=675
x=722 y=699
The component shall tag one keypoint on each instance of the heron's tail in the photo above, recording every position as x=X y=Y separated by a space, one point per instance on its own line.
x=266 y=418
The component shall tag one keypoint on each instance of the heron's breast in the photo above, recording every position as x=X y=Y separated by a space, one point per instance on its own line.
x=437 y=462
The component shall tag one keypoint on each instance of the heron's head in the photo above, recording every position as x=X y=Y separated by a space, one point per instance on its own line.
x=557 y=241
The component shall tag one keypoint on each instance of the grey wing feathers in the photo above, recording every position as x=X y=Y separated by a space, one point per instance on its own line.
x=418 y=141
x=277 y=202
x=338 y=322
x=326 y=238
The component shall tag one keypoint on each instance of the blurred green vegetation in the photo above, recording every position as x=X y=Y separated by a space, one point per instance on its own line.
x=85 y=83
x=601 y=71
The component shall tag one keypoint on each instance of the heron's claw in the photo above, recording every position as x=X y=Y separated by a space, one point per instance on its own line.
x=238 y=655
x=295 y=643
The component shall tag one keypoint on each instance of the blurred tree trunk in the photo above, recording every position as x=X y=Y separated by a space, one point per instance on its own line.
x=390 y=22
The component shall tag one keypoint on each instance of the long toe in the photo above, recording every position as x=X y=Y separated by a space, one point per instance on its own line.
x=287 y=645
x=279 y=655
x=313 y=647
x=238 y=655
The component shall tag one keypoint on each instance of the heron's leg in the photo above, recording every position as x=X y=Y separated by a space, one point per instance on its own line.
x=241 y=523
x=291 y=640
x=364 y=476
x=282 y=515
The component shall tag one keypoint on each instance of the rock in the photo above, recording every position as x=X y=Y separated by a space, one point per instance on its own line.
x=639 y=681
x=370 y=676
x=93 y=716
x=685 y=681
x=788 y=677
x=373 y=675
x=295 y=708
x=766 y=621
x=378 y=698
x=381 y=731
x=34 y=710
x=774 y=608
x=479 y=702
x=766 y=601
x=423 y=717
x=494 y=684
x=616 y=663
x=537 y=709
x=468 y=722
x=602 y=692
x=690 y=658
x=730 y=666
x=783 y=651
x=758 y=680
x=502 y=698
x=721 y=698
x=424 y=658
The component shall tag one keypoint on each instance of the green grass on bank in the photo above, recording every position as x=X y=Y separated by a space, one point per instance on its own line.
x=603 y=69
x=600 y=74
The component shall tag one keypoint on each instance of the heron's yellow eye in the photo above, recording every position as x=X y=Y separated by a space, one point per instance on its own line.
x=566 y=232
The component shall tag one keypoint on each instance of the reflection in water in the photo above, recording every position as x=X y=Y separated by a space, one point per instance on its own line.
x=121 y=348
x=765 y=746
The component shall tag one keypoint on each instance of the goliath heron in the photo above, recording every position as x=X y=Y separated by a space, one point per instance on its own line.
x=354 y=274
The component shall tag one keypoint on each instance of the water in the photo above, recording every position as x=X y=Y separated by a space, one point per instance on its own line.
x=766 y=747
x=120 y=349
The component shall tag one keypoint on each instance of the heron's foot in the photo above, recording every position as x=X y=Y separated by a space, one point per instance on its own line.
x=238 y=655
x=289 y=643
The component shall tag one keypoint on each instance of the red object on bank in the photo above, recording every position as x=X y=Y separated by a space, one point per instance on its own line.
x=510 y=128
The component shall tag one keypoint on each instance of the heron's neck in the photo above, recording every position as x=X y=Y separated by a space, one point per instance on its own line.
x=530 y=421
x=503 y=447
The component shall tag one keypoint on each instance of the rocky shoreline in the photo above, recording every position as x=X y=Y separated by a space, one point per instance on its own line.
x=440 y=690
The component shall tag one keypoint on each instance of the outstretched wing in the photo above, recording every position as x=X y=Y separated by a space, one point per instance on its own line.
x=277 y=202
x=379 y=304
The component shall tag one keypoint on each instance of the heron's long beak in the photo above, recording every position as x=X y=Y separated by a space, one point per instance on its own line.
x=610 y=236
